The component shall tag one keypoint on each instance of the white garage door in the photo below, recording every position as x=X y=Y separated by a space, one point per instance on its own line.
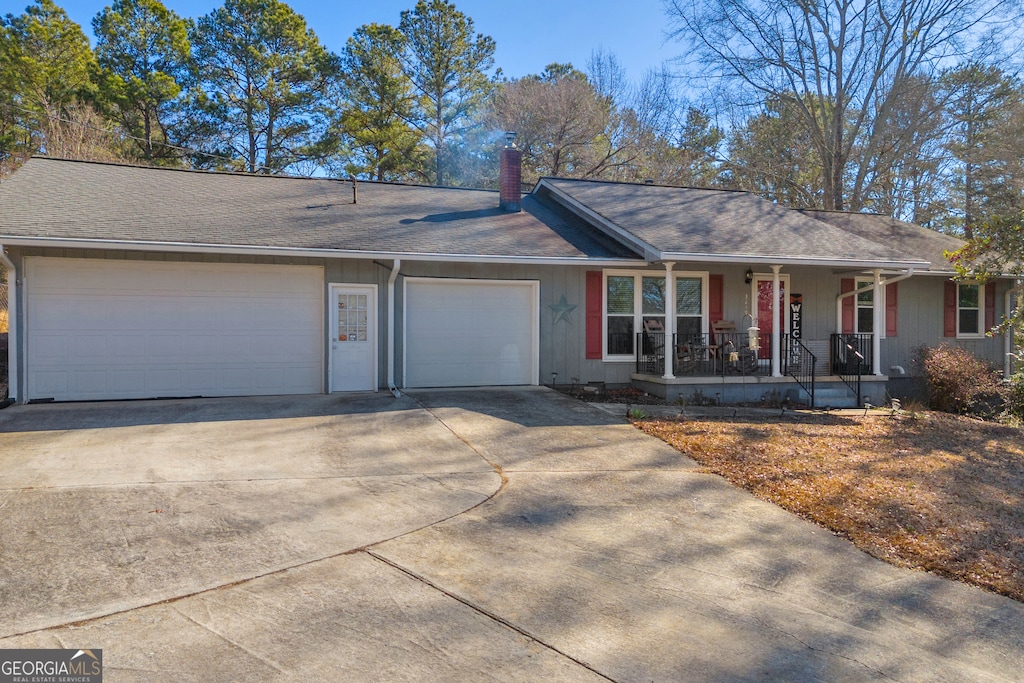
x=102 y=329
x=464 y=333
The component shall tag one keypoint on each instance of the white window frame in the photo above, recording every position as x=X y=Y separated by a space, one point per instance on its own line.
x=638 y=314
x=705 y=298
x=857 y=305
x=980 y=333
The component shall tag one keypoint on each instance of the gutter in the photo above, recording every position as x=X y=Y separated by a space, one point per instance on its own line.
x=12 y=326
x=297 y=252
x=393 y=318
x=792 y=261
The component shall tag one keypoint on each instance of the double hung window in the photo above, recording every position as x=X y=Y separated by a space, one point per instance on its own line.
x=968 y=310
x=636 y=302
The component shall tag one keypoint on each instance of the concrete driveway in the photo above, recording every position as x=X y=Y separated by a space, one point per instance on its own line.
x=452 y=536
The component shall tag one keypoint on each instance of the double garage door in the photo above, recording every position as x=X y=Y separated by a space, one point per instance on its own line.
x=105 y=329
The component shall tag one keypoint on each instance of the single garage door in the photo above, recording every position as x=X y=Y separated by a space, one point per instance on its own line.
x=464 y=333
x=104 y=329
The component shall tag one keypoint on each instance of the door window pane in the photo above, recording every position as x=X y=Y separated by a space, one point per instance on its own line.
x=352 y=317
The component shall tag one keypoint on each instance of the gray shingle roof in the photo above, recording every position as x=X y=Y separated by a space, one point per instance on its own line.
x=74 y=200
x=904 y=237
x=679 y=220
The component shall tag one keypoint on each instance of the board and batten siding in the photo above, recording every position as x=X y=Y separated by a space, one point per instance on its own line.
x=920 y=323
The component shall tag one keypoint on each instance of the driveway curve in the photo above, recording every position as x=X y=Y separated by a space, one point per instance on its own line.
x=107 y=507
x=606 y=556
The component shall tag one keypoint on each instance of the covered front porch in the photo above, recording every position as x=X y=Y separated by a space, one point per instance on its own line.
x=734 y=367
x=810 y=334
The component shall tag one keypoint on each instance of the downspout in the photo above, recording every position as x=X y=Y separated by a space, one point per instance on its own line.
x=12 y=326
x=670 y=321
x=879 y=323
x=393 y=319
x=853 y=292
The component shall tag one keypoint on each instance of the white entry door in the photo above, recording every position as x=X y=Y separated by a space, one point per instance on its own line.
x=353 y=337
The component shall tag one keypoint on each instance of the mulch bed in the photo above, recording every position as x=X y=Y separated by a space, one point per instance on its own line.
x=928 y=491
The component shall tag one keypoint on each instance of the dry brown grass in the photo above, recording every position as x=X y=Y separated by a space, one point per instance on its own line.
x=3 y=322
x=935 y=492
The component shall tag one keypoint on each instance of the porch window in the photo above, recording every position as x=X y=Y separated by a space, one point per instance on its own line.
x=689 y=306
x=635 y=302
x=865 y=320
x=968 y=310
x=654 y=303
x=619 y=315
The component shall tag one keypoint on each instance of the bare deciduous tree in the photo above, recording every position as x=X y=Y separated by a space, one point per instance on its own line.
x=841 y=63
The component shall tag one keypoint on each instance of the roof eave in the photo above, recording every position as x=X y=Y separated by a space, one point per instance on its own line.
x=299 y=252
x=754 y=259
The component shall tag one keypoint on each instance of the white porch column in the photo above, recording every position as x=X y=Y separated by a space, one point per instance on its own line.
x=878 y=311
x=670 y=320
x=776 y=326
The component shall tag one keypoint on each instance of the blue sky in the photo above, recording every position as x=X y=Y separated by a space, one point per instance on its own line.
x=529 y=33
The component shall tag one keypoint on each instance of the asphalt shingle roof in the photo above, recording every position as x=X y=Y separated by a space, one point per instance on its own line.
x=680 y=220
x=904 y=237
x=79 y=200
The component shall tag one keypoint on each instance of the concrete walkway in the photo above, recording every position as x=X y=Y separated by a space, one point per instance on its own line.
x=605 y=555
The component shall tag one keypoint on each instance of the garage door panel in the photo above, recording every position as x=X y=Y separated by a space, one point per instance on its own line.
x=130 y=329
x=470 y=333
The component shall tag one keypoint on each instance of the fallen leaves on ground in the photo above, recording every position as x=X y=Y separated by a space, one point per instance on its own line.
x=931 y=491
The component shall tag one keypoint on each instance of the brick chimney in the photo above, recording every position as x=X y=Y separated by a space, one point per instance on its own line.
x=510 y=175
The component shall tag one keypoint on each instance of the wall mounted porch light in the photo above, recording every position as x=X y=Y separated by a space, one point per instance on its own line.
x=749 y=276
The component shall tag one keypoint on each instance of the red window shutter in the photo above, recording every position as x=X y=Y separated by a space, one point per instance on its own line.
x=848 y=284
x=990 y=306
x=595 y=306
x=716 y=298
x=949 y=310
x=891 y=293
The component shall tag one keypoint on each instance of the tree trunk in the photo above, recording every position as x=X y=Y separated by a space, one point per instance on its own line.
x=148 y=123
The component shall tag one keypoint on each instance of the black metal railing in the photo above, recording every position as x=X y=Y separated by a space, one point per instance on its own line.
x=800 y=364
x=701 y=355
x=650 y=355
x=851 y=359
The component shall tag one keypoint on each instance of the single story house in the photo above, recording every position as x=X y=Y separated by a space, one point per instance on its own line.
x=132 y=282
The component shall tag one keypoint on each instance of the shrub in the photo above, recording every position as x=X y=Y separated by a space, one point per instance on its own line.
x=959 y=382
x=1015 y=396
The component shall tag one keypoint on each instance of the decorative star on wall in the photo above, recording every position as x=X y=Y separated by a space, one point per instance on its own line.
x=562 y=309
